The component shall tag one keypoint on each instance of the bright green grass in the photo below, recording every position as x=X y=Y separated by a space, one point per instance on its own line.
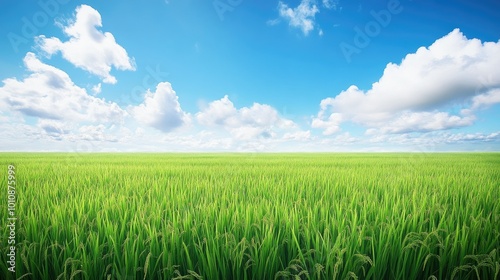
x=266 y=216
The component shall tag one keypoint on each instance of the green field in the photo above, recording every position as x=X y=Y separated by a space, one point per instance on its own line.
x=263 y=216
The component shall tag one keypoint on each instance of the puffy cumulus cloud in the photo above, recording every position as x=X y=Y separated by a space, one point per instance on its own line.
x=49 y=93
x=219 y=112
x=302 y=16
x=330 y=124
x=161 y=109
x=257 y=121
x=97 y=89
x=89 y=48
x=417 y=94
x=54 y=129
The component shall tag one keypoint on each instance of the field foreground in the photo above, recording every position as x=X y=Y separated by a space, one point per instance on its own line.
x=244 y=216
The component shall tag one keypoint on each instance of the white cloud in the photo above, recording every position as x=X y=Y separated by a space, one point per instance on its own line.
x=272 y=22
x=343 y=139
x=64 y=131
x=486 y=99
x=301 y=17
x=298 y=136
x=259 y=120
x=329 y=125
x=471 y=137
x=203 y=140
x=49 y=93
x=54 y=129
x=52 y=135
x=161 y=109
x=331 y=4
x=55 y=135
x=422 y=122
x=97 y=88
x=219 y=112
x=417 y=94
x=96 y=133
x=427 y=142
x=89 y=48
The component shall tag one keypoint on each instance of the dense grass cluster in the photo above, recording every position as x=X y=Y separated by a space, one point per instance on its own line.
x=266 y=216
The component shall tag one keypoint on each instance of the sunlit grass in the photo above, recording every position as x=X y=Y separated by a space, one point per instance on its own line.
x=265 y=216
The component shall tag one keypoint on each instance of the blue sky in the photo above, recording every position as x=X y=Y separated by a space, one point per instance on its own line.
x=236 y=75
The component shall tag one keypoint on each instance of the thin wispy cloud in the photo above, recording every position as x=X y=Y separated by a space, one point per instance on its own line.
x=302 y=16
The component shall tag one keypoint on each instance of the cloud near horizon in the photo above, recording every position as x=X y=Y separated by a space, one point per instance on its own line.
x=416 y=95
x=415 y=102
x=49 y=93
x=161 y=109
x=257 y=121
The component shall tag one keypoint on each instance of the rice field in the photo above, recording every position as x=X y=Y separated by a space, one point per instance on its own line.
x=245 y=216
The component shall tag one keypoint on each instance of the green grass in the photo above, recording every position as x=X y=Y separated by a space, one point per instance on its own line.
x=265 y=216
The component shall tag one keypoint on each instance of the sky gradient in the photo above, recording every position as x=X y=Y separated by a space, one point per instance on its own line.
x=254 y=76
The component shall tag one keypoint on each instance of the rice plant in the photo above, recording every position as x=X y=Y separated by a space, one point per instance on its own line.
x=265 y=216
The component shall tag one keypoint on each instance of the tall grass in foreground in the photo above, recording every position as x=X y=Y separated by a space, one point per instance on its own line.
x=240 y=216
